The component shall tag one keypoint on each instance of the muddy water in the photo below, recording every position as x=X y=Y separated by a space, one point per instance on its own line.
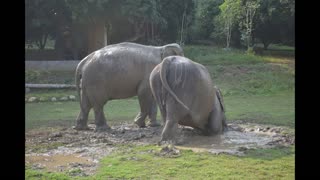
x=230 y=142
x=58 y=162
x=65 y=149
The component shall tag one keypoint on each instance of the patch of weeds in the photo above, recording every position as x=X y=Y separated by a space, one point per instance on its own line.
x=76 y=172
x=40 y=175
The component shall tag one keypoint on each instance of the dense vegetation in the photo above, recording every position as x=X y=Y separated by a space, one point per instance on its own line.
x=230 y=23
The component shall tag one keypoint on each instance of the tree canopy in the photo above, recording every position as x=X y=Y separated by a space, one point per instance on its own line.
x=163 y=21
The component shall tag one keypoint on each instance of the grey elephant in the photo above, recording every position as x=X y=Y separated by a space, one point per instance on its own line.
x=185 y=94
x=119 y=71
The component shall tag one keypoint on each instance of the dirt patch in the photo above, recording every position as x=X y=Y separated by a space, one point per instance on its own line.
x=79 y=152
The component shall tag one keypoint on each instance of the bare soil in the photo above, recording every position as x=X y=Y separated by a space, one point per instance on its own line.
x=79 y=152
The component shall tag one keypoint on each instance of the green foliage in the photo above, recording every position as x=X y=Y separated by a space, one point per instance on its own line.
x=43 y=19
x=275 y=22
x=250 y=50
x=49 y=77
x=205 y=11
x=158 y=22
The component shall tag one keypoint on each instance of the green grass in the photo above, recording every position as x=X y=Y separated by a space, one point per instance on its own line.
x=143 y=162
x=45 y=114
x=276 y=109
x=37 y=175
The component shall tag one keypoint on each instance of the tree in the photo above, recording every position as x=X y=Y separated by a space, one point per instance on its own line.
x=205 y=12
x=249 y=12
x=42 y=19
x=145 y=17
x=275 y=22
x=229 y=16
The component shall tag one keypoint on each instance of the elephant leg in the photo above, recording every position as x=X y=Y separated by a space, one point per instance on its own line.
x=100 y=120
x=171 y=121
x=82 y=119
x=153 y=115
x=168 y=133
x=163 y=113
x=216 y=122
x=145 y=101
x=174 y=114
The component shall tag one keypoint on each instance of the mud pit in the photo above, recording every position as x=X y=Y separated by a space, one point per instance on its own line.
x=79 y=152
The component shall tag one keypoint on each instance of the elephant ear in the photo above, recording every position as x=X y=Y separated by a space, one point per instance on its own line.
x=171 y=50
x=220 y=98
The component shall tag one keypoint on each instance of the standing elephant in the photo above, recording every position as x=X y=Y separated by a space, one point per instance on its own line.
x=119 y=71
x=186 y=95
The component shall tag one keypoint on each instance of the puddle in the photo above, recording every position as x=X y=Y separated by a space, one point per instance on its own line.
x=230 y=142
x=58 y=162
x=65 y=149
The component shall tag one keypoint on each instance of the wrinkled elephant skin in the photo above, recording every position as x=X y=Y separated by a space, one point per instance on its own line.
x=185 y=94
x=119 y=71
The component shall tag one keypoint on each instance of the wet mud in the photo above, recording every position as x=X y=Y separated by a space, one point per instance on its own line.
x=79 y=152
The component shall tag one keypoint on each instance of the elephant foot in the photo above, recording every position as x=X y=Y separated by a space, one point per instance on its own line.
x=81 y=127
x=154 y=124
x=103 y=128
x=141 y=124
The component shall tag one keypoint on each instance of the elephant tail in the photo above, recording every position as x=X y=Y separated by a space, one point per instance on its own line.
x=221 y=102
x=163 y=73
x=78 y=76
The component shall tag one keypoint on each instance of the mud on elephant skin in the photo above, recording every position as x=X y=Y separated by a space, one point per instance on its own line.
x=186 y=95
x=119 y=71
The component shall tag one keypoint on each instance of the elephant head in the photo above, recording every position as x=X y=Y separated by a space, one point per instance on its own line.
x=217 y=119
x=171 y=50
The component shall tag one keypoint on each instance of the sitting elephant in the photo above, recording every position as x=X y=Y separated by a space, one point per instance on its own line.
x=119 y=71
x=186 y=95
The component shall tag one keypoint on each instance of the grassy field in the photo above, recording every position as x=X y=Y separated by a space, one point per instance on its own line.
x=142 y=162
x=277 y=109
x=257 y=89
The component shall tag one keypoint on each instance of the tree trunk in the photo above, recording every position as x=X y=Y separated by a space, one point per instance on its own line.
x=96 y=35
x=265 y=44
x=182 y=24
x=105 y=36
x=152 y=33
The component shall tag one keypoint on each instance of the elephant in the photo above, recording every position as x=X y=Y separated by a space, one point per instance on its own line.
x=185 y=95
x=119 y=71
